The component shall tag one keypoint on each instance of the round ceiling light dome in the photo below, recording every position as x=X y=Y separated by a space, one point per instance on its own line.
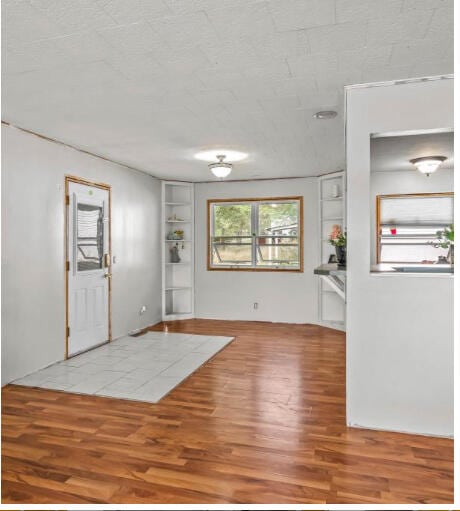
x=220 y=169
x=325 y=114
x=428 y=164
x=210 y=155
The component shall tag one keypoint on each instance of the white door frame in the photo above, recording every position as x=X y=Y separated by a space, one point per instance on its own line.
x=107 y=262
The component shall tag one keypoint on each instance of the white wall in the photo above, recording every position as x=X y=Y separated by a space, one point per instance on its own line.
x=286 y=297
x=407 y=181
x=399 y=327
x=33 y=312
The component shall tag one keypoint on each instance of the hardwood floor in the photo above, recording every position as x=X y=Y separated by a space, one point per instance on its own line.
x=262 y=422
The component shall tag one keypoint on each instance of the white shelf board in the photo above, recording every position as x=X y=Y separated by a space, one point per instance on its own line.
x=329 y=199
x=177 y=241
x=178 y=288
x=178 y=221
x=178 y=264
x=178 y=203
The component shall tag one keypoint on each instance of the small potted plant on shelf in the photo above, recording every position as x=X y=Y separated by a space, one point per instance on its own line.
x=338 y=239
x=446 y=240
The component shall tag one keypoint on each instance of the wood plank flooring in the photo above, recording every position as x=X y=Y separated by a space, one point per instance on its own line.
x=262 y=422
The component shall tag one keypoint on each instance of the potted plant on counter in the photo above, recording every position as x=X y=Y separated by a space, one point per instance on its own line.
x=338 y=239
x=446 y=240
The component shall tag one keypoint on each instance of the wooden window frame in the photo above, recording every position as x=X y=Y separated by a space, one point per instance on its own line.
x=378 y=199
x=210 y=202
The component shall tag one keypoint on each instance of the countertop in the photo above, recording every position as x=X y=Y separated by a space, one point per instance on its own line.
x=420 y=269
x=330 y=269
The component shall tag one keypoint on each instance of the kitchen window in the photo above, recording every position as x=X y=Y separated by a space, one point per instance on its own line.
x=407 y=227
x=255 y=234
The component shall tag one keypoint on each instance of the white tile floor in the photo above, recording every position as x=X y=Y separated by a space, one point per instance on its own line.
x=144 y=368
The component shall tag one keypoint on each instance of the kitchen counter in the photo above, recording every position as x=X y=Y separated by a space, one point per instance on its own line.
x=331 y=269
x=420 y=269
x=335 y=276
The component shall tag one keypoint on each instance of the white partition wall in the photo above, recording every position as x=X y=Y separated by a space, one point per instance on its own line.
x=399 y=327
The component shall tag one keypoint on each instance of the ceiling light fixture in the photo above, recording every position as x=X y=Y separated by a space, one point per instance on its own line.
x=220 y=169
x=325 y=114
x=428 y=164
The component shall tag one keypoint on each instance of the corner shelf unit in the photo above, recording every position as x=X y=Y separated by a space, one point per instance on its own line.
x=332 y=204
x=177 y=212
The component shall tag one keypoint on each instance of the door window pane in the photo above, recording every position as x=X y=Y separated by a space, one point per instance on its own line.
x=90 y=242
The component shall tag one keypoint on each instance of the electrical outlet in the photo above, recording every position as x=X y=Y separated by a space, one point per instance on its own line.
x=143 y=309
x=256 y=305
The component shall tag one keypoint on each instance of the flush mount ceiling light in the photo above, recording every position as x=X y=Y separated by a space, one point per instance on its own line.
x=325 y=114
x=428 y=164
x=211 y=155
x=220 y=169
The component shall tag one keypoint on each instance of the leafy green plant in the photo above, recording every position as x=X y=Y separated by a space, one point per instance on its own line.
x=445 y=237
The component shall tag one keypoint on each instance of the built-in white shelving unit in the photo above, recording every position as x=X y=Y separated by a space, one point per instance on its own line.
x=332 y=197
x=177 y=278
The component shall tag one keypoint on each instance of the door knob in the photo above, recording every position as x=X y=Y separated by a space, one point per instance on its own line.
x=107 y=275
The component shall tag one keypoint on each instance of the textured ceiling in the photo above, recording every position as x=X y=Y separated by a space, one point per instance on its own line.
x=149 y=82
x=395 y=153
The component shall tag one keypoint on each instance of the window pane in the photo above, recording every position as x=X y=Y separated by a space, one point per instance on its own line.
x=279 y=218
x=89 y=237
x=272 y=253
x=412 y=253
x=226 y=250
x=416 y=210
x=255 y=234
x=278 y=243
x=408 y=227
x=232 y=219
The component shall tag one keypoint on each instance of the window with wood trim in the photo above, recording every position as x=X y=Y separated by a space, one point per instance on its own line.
x=255 y=234
x=407 y=226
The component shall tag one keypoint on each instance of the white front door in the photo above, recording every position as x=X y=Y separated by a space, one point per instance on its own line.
x=88 y=268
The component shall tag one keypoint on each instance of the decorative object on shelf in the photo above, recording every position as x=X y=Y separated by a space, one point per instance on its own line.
x=175 y=218
x=332 y=259
x=446 y=240
x=220 y=169
x=338 y=239
x=178 y=234
x=335 y=191
x=174 y=253
x=428 y=164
